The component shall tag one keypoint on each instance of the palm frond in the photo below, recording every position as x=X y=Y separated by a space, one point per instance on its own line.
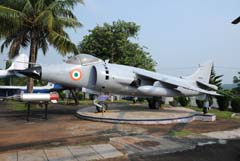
x=65 y=13
x=28 y=8
x=44 y=46
x=61 y=43
x=40 y=5
x=14 y=48
x=69 y=3
x=69 y=22
x=9 y=12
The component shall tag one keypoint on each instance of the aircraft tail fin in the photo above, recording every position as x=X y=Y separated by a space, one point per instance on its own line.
x=19 y=63
x=203 y=73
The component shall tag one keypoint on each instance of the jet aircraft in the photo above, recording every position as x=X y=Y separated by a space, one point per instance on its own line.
x=98 y=76
x=19 y=63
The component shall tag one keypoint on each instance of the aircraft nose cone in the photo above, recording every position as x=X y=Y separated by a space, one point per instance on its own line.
x=34 y=72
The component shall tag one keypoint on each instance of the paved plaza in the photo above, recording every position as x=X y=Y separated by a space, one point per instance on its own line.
x=64 y=153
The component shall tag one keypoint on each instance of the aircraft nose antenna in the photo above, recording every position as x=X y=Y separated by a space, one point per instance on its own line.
x=34 y=72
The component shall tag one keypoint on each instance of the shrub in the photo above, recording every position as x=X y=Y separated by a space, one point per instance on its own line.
x=91 y=96
x=223 y=103
x=141 y=99
x=184 y=101
x=79 y=95
x=235 y=104
x=62 y=95
x=200 y=103
x=174 y=103
x=210 y=101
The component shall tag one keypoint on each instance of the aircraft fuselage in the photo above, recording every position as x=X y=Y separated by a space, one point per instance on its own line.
x=112 y=79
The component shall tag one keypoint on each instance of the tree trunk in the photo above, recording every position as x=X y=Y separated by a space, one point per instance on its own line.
x=32 y=60
x=112 y=54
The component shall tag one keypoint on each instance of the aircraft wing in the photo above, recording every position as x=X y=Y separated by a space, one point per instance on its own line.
x=175 y=82
x=208 y=85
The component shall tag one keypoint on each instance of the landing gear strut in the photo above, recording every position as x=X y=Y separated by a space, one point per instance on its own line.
x=154 y=103
x=103 y=106
x=205 y=110
x=100 y=103
x=206 y=106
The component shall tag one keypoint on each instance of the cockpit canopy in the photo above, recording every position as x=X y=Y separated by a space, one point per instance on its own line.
x=83 y=59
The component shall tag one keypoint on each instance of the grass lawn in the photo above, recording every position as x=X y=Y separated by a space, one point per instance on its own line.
x=19 y=106
x=218 y=113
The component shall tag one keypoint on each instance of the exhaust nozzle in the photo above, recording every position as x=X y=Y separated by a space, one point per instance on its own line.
x=34 y=72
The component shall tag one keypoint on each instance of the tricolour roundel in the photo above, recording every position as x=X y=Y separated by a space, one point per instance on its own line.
x=76 y=74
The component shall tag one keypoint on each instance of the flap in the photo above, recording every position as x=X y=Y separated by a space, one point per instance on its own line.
x=208 y=85
x=178 y=82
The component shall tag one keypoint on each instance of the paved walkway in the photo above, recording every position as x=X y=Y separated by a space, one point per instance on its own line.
x=228 y=134
x=131 y=145
x=64 y=153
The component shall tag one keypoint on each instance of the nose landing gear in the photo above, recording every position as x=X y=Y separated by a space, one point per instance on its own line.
x=102 y=106
x=100 y=103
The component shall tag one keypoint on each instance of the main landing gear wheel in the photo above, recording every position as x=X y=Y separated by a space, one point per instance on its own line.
x=103 y=107
x=154 y=103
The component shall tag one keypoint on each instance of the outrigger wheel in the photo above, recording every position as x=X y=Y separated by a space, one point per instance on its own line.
x=103 y=107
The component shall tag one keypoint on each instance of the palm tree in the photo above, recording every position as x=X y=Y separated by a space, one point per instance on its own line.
x=37 y=23
x=215 y=80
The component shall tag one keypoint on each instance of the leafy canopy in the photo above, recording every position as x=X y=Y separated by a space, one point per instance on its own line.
x=112 y=41
x=41 y=21
x=37 y=23
x=236 y=80
x=215 y=79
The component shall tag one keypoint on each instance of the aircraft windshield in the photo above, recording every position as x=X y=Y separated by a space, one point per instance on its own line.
x=83 y=59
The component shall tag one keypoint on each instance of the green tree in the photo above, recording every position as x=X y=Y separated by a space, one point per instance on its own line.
x=235 y=103
x=112 y=41
x=236 y=80
x=184 y=101
x=215 y=80
x=224 y=100
x=37 y=23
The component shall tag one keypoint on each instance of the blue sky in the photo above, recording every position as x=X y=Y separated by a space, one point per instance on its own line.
x=178 y=34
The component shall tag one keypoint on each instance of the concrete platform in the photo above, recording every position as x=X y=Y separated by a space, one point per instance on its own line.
x=138 y=114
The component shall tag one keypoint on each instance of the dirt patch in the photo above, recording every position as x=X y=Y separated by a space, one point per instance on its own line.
x=219 y=125
x=147 y=144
